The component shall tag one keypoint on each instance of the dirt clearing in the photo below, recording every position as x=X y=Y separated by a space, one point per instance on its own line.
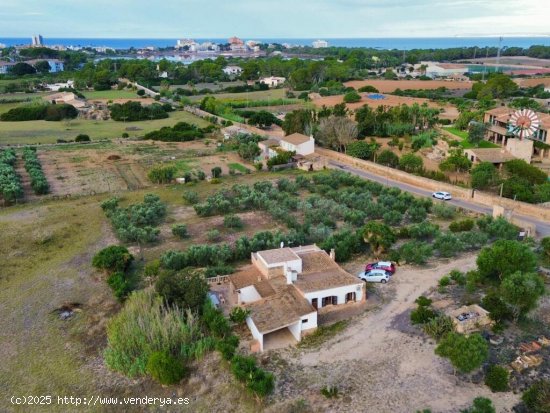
x=389 y=86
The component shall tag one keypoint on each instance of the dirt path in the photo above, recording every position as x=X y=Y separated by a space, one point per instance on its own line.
x=387 y=365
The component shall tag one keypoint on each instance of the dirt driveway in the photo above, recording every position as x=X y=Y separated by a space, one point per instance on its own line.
x=381 y=364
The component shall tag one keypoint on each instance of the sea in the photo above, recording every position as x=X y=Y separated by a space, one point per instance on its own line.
x=399 y=43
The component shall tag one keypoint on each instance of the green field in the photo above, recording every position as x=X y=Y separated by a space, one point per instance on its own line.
x=111 y=94
x=463 y=135
x=34 y=132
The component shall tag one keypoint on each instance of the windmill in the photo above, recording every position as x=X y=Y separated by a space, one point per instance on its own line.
x=524 y=123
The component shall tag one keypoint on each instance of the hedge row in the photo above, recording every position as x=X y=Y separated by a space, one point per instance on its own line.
x=40 y=112
x=32 y=165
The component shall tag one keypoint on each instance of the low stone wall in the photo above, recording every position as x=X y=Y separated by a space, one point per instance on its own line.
x=482 y=198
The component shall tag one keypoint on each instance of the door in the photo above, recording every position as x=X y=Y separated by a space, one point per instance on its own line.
x=350 y=297
x=314 y=303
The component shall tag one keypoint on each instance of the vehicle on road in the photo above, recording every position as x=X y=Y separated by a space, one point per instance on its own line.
x=375 y=276
x=387 y=266
x=445 y=196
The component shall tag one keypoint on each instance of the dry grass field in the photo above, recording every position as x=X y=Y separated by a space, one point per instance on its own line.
x=389 y=86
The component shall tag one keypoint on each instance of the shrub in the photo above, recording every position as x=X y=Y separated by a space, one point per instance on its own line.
x=473 y=240
x=498 y=310
x=82 y=138
x=191 y=197
x=424 y=230
x=133 y=111
x=411 y=163
x=448 y=244
x=113 y=258
x=466 y=353
x=537 y=397
x=480 y=405
x=422 y=314
x=232 y=221
x=497 y=228
x=393 y=218
x=228 y=346
x=180 y=230
x=144 y=326
x=165 y=368
x=330 y=392
x=213 y=235
x=186 y=289
x=162 y=174
x=416 y=252
x=216 y=172
x=352 y=97
x=462 y=225
x=458 y=277
x=238 y=315
x=417 y=213
x=438 y=327
x=496 y=378
x=444 y=281
x=120 y=284
x=152 y=268
x=423 y=301
x=387 y=158
x=39 y=183
x=443 y=211
x=215 y=321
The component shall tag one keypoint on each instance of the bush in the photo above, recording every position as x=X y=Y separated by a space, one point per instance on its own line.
x=496 y=378
x=352 y=97
x=232 y=221
x=466 y=353
x=238 y=315
x=145 y=326
x=82 y=138
x=186 y=289
x=133 y=111
x=191 y=197
x=165 y=368
x=438 y=327
x=180 y=230
x=498 y=310
x=444 y=281
x=537 y=397
x=422 y=314
x=228 y=346
x=113 y=258
x=458 y=277
x=423 y=301
x=216 y=172
x=415 y=252
x=46 y=112
x=162 y=174
x=448 y=245
x=388 y=158
x=39 y=183
x=257 y=380
x=480 y=405
x=393 y=218
x=424 y=230
x=213 y=235
x=411 y=163
x=443 y=211
x=120 y=284
x=462 y=225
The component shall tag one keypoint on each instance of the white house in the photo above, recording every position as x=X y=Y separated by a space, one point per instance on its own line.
x=273 y=81
x=284 y=289
x=436 y=69
x=301 y=144
x=5 y=67
x=232 y=70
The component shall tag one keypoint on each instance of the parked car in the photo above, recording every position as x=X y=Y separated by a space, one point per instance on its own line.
x=381 y=265
x=445 y=196
x=375 y=276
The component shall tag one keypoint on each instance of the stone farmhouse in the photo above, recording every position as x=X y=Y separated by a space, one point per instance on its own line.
x=286 y=288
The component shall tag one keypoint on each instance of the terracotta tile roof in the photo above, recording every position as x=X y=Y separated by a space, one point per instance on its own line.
x=503 y=113
x=249 y=275
x=320 y=272
x=296 y=139
x=264 y=288
x=279 y=310
x=278 y=255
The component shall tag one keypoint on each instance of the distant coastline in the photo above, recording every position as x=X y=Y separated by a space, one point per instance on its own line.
x=399 y=43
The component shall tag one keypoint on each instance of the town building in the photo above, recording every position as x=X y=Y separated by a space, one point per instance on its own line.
x=285 y=288
x=232 y=70
x=236 y=44
x=320 y=44
x=5 y=67
x=273 y=81
x=187 y=44
x=444 y=70
x=499 y=132
x=37 y=41
x=56 y=65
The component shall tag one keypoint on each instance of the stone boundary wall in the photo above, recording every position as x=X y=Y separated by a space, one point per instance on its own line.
x=482 y=198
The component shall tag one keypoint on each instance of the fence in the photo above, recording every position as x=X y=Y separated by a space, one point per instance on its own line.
x=220 y=279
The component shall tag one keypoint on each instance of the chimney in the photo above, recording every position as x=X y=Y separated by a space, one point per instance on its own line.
x=333 y=254
x=291 y=275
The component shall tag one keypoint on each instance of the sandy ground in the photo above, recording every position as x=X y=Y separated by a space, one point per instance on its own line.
x=388 y=86
x=450 y=111
x=382 y=364
x=514 y=60
x=533 y=82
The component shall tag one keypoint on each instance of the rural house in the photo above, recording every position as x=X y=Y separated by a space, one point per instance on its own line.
x=301 y=144
x=285 y=288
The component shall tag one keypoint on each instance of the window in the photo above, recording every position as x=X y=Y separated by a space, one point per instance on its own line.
x=305 y=320
x=331 y=300
x=350 y=297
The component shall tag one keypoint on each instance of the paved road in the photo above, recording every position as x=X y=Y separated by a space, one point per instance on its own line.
x=543 y=227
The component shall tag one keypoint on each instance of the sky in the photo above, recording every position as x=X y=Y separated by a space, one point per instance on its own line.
x=274 y=18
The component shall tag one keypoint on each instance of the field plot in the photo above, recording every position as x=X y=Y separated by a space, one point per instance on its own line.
x=110 y=94
x=389 y=86
x=257 y=95
x=39 y=131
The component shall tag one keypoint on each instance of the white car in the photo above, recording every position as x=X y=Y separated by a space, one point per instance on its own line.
x=375 y=276
x=445 y=196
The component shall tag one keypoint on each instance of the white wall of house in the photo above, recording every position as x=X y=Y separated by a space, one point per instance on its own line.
x=306 y=148
x=255 y=333
x=339 y=292
x=309 y=321
x=296 y=330
x=248 y=295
